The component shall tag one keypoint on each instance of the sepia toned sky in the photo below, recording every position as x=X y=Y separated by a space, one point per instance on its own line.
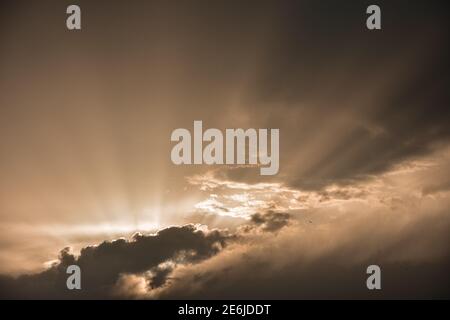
x=85 y=124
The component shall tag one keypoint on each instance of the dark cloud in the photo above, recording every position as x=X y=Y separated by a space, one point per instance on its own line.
x=159 y=276
x=102 y=265
x=271 y=221
x=154 y=257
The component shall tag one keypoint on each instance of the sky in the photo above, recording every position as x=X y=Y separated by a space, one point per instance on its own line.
x=86 y=176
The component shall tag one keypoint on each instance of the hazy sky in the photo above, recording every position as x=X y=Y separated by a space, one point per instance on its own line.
x=85 y=124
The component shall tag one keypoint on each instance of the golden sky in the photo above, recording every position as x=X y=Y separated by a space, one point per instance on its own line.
x=85 y=124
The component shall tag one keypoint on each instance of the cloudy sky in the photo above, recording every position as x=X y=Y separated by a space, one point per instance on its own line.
x=86 y=176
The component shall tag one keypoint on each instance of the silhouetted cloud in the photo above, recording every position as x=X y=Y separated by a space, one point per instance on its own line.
x=271 y=221
x=102 y=265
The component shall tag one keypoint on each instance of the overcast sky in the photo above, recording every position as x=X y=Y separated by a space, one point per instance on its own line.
x=85 y=124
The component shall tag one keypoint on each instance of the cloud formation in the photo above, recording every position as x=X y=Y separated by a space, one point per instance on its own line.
x=319 y=246
x=103 y=264
x=364 y=161
x=322 y=250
